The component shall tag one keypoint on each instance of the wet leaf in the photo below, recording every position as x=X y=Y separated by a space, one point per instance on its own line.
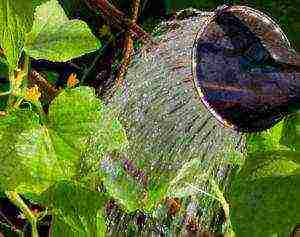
x=27 y=155
x=195 y=174
x=291 y=132
x=56 y=38
x=16 y=17
x=36 y=3
x=264 y=196
x=121 y=185
x=266 y=141
x=75 y=114
x=34 y=156
x=77 y=210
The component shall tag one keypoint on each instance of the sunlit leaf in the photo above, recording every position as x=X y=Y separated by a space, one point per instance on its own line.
x=27 y=155
x=56 y=38
x=291 y=132
x=77 y=210
x=75 y=113
x=34 y=156
x=265 y=141
x=16 y=17
x=264 y=197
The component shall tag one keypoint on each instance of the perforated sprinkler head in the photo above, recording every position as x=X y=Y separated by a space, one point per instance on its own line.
x=244 y=69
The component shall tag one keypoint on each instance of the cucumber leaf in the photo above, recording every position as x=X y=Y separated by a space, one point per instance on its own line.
x=264 y=197
x=195 y=175
x=76 y=210
x=36 y=3
x=27 y=155
x=75 y=114
x=56 y=38
x=34 y=156
x=83 y=122
x=16 y=17
x=291 y=132
x=266 y=141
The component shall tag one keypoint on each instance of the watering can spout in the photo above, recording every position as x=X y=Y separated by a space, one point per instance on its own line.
x=246 y=73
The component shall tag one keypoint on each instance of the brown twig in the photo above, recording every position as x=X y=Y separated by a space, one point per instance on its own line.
x=128 y=46
x=39 y=80
x=128 y=51
x=117 y=18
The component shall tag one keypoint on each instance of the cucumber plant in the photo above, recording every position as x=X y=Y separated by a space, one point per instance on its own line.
x=53 y=157
x=45 y=156
x=264 y=196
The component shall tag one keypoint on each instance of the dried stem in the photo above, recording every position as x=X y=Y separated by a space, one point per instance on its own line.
x=42 y=83
x=128 y=47
x=128 y=50
x=118 y=19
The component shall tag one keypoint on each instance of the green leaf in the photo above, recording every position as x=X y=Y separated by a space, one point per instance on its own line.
x=64 y=226
x=76 y=210
x=291 y=132
x=266 y=141
x=56 y=38
x=16 y=17
x=264 y=207
x=122 y=186
x=92 y=129
x=189 y=179
x=75 y=114
x=36 y=3
x=195 y=175
x=27 y=155
x=205 y=184
x=34 y=156
x=264 y=197
x=83 y=122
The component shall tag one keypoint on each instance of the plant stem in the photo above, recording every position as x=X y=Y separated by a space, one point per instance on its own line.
x=11 y=77
x=18 y=202
x=26 y=64
x=41 y=112
x=36 y=78
x=18 y=82
x=128 y=49
x=118 y=18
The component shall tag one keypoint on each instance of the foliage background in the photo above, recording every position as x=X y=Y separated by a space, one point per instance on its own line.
x=98 y=69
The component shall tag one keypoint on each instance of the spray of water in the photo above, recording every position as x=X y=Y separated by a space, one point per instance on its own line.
x=166 y=123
